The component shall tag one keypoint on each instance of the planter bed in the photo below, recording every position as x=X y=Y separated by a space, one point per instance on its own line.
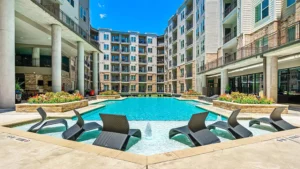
x=249 y=108
x=52 y=108
x=190 y=96
x=110 y=97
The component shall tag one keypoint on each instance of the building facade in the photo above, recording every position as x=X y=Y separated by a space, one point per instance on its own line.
x=46 y=47
x=259 y=51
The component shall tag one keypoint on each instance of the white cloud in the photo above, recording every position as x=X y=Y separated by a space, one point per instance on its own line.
x=102 y=16
x=100 y=6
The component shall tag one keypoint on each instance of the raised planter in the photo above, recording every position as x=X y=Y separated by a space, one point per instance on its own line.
x=110 y=97
x=249 y=108
x=190 y=96
x=52 y=108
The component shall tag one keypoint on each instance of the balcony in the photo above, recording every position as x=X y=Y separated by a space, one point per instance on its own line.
x=116 y=40
x=125 y=40
x=188 y=12
x=174 y=77
x=125 y=59
x=189 y=75
x=143 y=71
x=174 y=64
x=230 y=8
x=160 y=80
x=125 y=50
x=142 y=51
x=142 y=79
x=161 y=52
x=160 y=62
x=125 y=79
x=115 y=50
x=189 y=26
x=142 y=90
x=115 y=59
x=115 y=79
x=65 y=19
x=115 y=69
x=174 y=39
x=174 y=26
x=160 y=71
x=228 y=37
x=125 y=70
x=142 y=61
x=189 y=58
x=142 y=42
x=189 y=44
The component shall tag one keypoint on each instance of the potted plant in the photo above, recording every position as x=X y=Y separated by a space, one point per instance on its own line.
x=87 y=92
x=228 y=89
x=18 y=92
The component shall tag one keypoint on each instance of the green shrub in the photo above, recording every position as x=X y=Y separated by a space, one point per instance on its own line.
x=192 y=92
x=242 y=98
x=59 y=97
x=109 y=92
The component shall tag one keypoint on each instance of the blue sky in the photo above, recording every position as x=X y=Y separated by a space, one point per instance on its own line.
x=145 y=16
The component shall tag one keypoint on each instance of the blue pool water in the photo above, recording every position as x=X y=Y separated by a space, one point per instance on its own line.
x=150 y=109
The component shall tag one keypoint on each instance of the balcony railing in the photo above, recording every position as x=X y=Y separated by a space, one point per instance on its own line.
x=189 y=26
x=160 y=71
x=115 y=39
x=125 y=70
x=125 y=79
x=161 y=52
x=228 y=37
x=115 y=79
x=142 y=51
x=174 y=64
x=143 y=71
x=125 y=59
x=188 y=43
x=160 y=80
x=115 y=60
x=142 y=80
x=174 y=38
x=189 y=11
x=230 y=8
x=189 y=74
x=115 y=69
x=175 y=26
x=189 y=58
x=278 y=39
x=67 y=21
x=142 y=42
x=142 y=61
x=115 y=49
x=160 y=62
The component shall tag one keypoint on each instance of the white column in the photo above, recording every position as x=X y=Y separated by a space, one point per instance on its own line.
x=7 y=54
x=203 y=84
x=224 y=80
x=56 y=57
x=272 y=78
x=95 y=72
x=36 y=57
x=80 y=53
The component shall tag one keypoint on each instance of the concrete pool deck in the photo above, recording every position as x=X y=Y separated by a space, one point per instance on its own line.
x=21 y=149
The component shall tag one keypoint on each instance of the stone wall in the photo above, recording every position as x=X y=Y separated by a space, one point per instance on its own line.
x=51 y=108
x=249 y=108
x=110 y=97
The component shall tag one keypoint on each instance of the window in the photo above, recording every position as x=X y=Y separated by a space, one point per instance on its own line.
x=132 y=39
x=106 y=67
x=132 y=48
x=106 y=36
x=149 y=40
x=132 y=88
x=132 y=77
x=182 y=44
x=150 y=88
x=291 y=34
x=106 y=47
x=150 y=59
x=181 y=87
x=261 y=44
x=106 y=77
x=170 y=40
x=106 y=87
x=203 y=46
x=182 y=30
x=133 y=58
x=202 y=26
x=133 y=68
x=149 y=78
x=106 y=57
x=290 y=2
x=181 y=72
x=82 y=13
x=170 y=51
x=262 y=10
x=149 y=50
x=182 y=58
x=71 y=2
x=149 y=69
x=182 y=15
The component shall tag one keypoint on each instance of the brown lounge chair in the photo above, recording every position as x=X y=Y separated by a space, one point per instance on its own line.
x=115 y=133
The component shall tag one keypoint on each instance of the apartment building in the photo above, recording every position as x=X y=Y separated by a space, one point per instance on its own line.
x=128 y=63
x=191 y=38
x=258 y=53
x=44 y=47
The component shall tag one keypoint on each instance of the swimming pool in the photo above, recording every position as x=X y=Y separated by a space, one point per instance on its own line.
x=150 y=109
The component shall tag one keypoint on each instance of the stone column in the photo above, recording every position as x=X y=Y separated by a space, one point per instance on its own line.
x=264 y=76
x=272 y=78
x=56 y=57
x=36 y=57
x=80 y=53
x=224 y=80
x=95 y=72
x=203 y=84
x=7 y=54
